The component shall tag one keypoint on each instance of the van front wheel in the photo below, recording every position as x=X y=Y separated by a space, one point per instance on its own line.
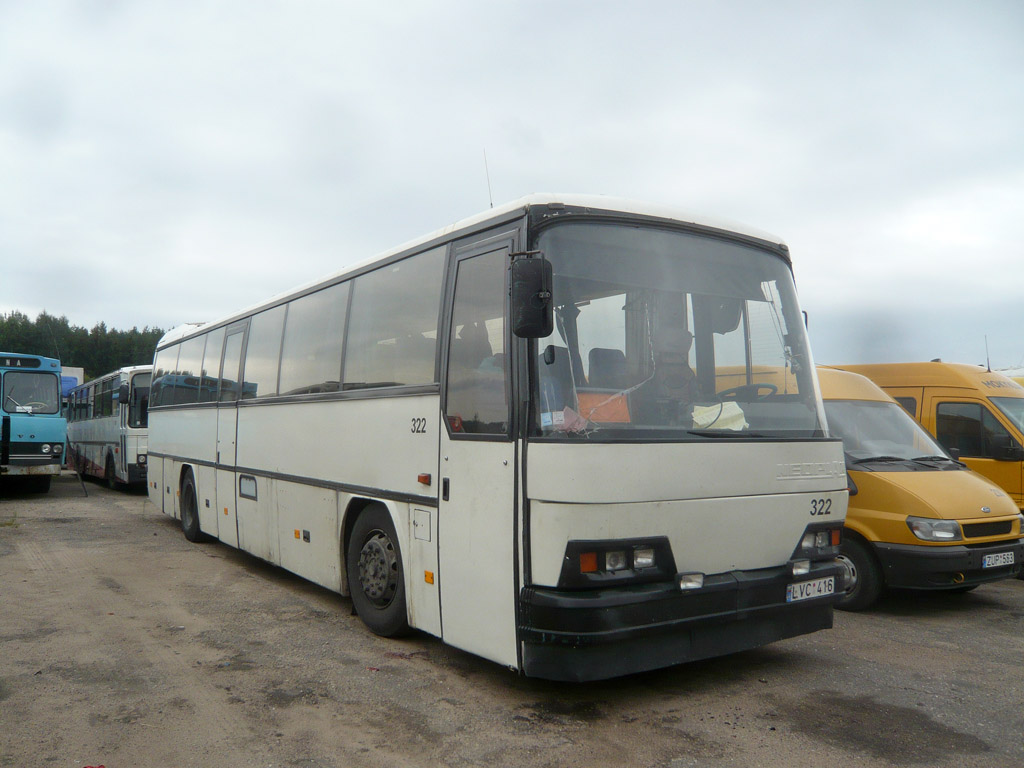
x=863 y=576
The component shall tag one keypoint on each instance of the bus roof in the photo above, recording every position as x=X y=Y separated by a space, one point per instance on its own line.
x=22 y=360
x=938 y=374
x=837 y=384
x=128 y=370
x=509 y=210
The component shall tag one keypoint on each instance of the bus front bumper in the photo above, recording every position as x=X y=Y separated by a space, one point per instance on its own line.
x=946 y=567
x=30 y=469
x=597 y=634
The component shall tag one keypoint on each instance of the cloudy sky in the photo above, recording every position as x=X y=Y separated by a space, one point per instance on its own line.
x=172 y=161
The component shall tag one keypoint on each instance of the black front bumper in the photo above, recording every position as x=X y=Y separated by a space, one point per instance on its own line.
x=944 y=567
x=597 y=634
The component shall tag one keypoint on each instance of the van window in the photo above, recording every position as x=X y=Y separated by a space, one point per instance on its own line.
x=970 y=429
x=909 y=404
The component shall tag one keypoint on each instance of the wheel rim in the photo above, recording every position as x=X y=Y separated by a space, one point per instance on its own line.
x=851 y=573
x=378 y=569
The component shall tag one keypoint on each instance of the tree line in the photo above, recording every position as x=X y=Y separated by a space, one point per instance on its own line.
x=97 y=350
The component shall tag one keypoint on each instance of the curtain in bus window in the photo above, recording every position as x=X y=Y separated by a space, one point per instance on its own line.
x=477 y=393
x=313 y=333
x=263 y=354
x=392 y=332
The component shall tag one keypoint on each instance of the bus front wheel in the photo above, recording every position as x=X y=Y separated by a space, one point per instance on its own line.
x=375 y=574
x=863 y=576
x=190 y=510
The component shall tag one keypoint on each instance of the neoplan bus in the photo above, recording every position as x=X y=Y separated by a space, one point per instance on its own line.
x=32 y=429
x=529 y=434
x=107 y=426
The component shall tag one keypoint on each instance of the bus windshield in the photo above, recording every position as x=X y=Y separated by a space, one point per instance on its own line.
x=664 y=334
x=873 y=429
x=28 y=392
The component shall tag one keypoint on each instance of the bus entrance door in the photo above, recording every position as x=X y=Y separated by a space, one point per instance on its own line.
x=476 y=512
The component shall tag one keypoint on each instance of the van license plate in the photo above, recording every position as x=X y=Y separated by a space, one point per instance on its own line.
x=996 y=560
x=805 y=590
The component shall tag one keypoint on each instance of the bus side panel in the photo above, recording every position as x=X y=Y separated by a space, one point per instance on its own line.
x=256 y=512
x=155 y=483
x=206 y=498
x=307 y=532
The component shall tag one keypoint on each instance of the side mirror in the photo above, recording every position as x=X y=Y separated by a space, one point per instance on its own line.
x=122 y=394
x=1005 y=448
x=532 y=313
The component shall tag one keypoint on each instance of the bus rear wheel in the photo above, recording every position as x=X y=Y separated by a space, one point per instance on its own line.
x=375 y=574
x=110 y=474
x=190 y=510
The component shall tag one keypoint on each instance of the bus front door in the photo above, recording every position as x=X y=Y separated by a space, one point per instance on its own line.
x=476 y=509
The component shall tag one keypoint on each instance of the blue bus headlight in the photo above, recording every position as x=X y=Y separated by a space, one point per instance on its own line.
x=58 y=449
x=46 y=448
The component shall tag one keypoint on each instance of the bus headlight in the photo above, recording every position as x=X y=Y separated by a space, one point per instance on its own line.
x=928 y=529
x=46 y=448
x=58 y=449
x=141 y=459
x=819 y=541
x=604 y=563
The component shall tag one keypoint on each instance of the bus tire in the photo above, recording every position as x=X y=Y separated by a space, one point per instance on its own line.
x=190 y=510
x=376 y=576
x=865 y=577
x=110 y=473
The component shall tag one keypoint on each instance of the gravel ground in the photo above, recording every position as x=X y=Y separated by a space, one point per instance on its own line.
x=121 y=644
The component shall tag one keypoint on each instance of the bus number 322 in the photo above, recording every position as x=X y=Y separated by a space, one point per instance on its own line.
x=821 y=507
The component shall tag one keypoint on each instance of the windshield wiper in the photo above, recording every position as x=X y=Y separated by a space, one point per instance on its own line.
x=723 y=433
x=879 y=458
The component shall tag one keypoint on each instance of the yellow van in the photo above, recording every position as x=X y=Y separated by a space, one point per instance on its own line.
x=976 y=415
x=917 y=518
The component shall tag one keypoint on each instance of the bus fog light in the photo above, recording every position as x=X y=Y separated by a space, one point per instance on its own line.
x=690 y=580
x=643 y=557
x=800 y=567
x=615 y=560
x=46 y=448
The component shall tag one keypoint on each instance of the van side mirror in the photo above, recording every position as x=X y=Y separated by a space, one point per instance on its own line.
x=532 y=312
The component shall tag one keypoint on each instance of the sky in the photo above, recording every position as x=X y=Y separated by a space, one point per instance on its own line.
x=175 y=161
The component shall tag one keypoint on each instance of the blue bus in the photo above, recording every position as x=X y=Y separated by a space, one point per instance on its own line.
x=33 y=431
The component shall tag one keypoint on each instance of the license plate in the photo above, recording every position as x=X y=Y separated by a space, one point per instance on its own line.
x=805 y=590
x=996 y=560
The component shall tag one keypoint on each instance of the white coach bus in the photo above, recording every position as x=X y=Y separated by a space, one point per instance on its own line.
x=580 y=437
x=107 y=426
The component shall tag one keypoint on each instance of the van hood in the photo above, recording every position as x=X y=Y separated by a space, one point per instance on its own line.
x=959 y=495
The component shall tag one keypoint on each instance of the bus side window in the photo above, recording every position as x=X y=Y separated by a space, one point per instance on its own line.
x=477 y=389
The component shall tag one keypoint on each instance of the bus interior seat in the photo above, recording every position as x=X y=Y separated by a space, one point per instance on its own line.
x=607 y=368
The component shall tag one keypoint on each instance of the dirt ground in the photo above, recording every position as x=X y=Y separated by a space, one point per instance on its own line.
x=121 y=644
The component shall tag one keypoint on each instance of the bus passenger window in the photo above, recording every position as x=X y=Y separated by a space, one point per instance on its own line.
x=477 y=390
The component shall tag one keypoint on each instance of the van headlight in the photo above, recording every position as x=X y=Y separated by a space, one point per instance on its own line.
x=928 y=529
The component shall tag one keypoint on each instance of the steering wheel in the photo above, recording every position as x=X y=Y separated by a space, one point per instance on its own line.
x=748 y=391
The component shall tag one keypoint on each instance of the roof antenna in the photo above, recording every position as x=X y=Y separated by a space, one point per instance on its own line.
x=487 y=172
x=988 y=361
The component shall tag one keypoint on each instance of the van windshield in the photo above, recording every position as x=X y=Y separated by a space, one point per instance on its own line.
x=880 y=431
x=1012 y=408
